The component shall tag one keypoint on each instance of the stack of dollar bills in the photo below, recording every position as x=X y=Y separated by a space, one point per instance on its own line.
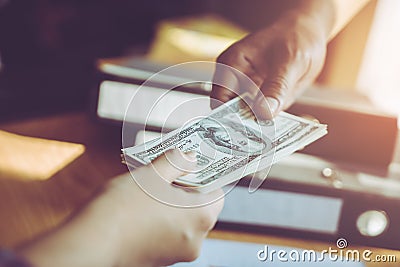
x=230 y=144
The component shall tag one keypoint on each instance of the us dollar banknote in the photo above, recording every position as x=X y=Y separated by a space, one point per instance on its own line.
x=230 y=143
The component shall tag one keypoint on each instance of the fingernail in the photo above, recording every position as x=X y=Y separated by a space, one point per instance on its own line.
x=273 y=104
x=266 y=108
x=214 y=103
x=190 y=155
x=261 y=109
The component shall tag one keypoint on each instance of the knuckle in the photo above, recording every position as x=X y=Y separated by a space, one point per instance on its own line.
x=231 y=55
x=215 y=96
x=225 y=55
x=278 y=86
x=192 y=238
x=299 y=55
x=206 y=221
x=191 y=246
x=193 y=254
x=221 y=57
x=292 y=51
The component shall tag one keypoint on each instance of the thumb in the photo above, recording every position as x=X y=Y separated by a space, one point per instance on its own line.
x=275 y=92
x=174 y=163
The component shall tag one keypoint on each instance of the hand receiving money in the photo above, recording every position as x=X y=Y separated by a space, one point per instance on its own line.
x=230 y=144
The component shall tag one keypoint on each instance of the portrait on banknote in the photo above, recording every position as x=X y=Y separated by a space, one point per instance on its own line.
x=233 y=138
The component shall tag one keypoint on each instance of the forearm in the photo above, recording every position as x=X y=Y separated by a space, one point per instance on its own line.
x=345 y=10
x=93 y=237
x=85 y=240
x=321 y=13
x=332 y=15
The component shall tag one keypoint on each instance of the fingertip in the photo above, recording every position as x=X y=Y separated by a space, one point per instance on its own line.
x=273 y=105
x=171 y=153
x=166 y=165
x=190 y=156
x=219 y=95
x=262 y=110
x=189 y=163
x=186 y=162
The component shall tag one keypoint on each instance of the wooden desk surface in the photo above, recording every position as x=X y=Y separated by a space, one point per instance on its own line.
x=31 y=207
x=28 y=208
